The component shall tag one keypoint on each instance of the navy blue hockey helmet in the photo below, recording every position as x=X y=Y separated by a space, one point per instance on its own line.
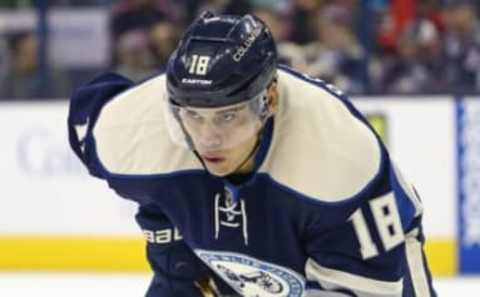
x=221 y=60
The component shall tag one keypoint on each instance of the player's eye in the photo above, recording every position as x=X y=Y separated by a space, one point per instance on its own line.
x=192 y=115
x=226 y=119
x=229 y=116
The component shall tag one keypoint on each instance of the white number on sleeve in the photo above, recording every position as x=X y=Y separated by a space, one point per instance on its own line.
x=387 y=221
x=368 y=249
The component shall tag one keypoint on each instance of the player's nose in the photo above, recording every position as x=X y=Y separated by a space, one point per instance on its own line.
x=210 y=137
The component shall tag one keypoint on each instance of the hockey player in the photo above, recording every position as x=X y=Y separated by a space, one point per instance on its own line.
x=251 y=179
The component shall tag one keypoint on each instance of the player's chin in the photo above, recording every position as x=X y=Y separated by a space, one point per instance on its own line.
x=220 y=170
x=217 y=172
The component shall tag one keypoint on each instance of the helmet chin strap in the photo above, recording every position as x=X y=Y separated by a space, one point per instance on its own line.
x=251 y=153
x=265 y=115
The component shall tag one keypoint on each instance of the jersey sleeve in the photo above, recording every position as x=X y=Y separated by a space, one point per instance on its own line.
x=376 y=248
x=85 y=106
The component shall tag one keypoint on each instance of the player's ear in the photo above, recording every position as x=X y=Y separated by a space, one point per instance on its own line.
x=272 y=96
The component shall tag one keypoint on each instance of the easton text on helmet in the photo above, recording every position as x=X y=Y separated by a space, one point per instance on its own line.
x=194 y=81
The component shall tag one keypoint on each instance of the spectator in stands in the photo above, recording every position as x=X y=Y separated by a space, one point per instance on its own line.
x=135 y=60
x=303 y=16
x=164 y=36
x=130 y=15
x=25 y=79
x=79 y=3
x=143 y=15
x=462 y=46
x=274 y=5
x=15 y=4
x=336 y=56
x=431 y=10
x=289 y=53
x=416 y=66
x=4 y=57
x=239 y=7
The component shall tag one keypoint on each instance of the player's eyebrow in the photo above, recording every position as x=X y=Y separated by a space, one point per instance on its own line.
x=237 y=108
x=231 y=109
x=191 y=111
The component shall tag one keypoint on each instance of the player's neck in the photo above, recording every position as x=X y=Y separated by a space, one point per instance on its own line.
x=244 y=173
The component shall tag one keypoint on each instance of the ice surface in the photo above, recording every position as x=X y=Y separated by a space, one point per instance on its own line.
x=123 y=285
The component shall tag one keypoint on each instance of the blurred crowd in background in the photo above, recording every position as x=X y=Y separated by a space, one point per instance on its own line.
x=362 y=46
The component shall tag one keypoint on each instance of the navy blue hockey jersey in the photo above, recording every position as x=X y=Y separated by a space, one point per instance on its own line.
x=326 y=213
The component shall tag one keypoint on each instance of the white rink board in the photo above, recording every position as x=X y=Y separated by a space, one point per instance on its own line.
x=421 y=136
x=47 y=191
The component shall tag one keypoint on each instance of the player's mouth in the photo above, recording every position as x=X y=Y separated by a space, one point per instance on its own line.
x=213 y=159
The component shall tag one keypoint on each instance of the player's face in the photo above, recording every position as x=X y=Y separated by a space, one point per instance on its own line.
x=223 y=137
x=222 y=163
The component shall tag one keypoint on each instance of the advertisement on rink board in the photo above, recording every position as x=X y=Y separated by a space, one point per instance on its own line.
x=47 y=185
x=468 y=132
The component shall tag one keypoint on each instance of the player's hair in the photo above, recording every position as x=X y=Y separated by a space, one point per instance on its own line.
x=239 y=61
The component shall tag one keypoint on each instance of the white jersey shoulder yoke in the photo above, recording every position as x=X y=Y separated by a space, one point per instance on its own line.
x=319 y=148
